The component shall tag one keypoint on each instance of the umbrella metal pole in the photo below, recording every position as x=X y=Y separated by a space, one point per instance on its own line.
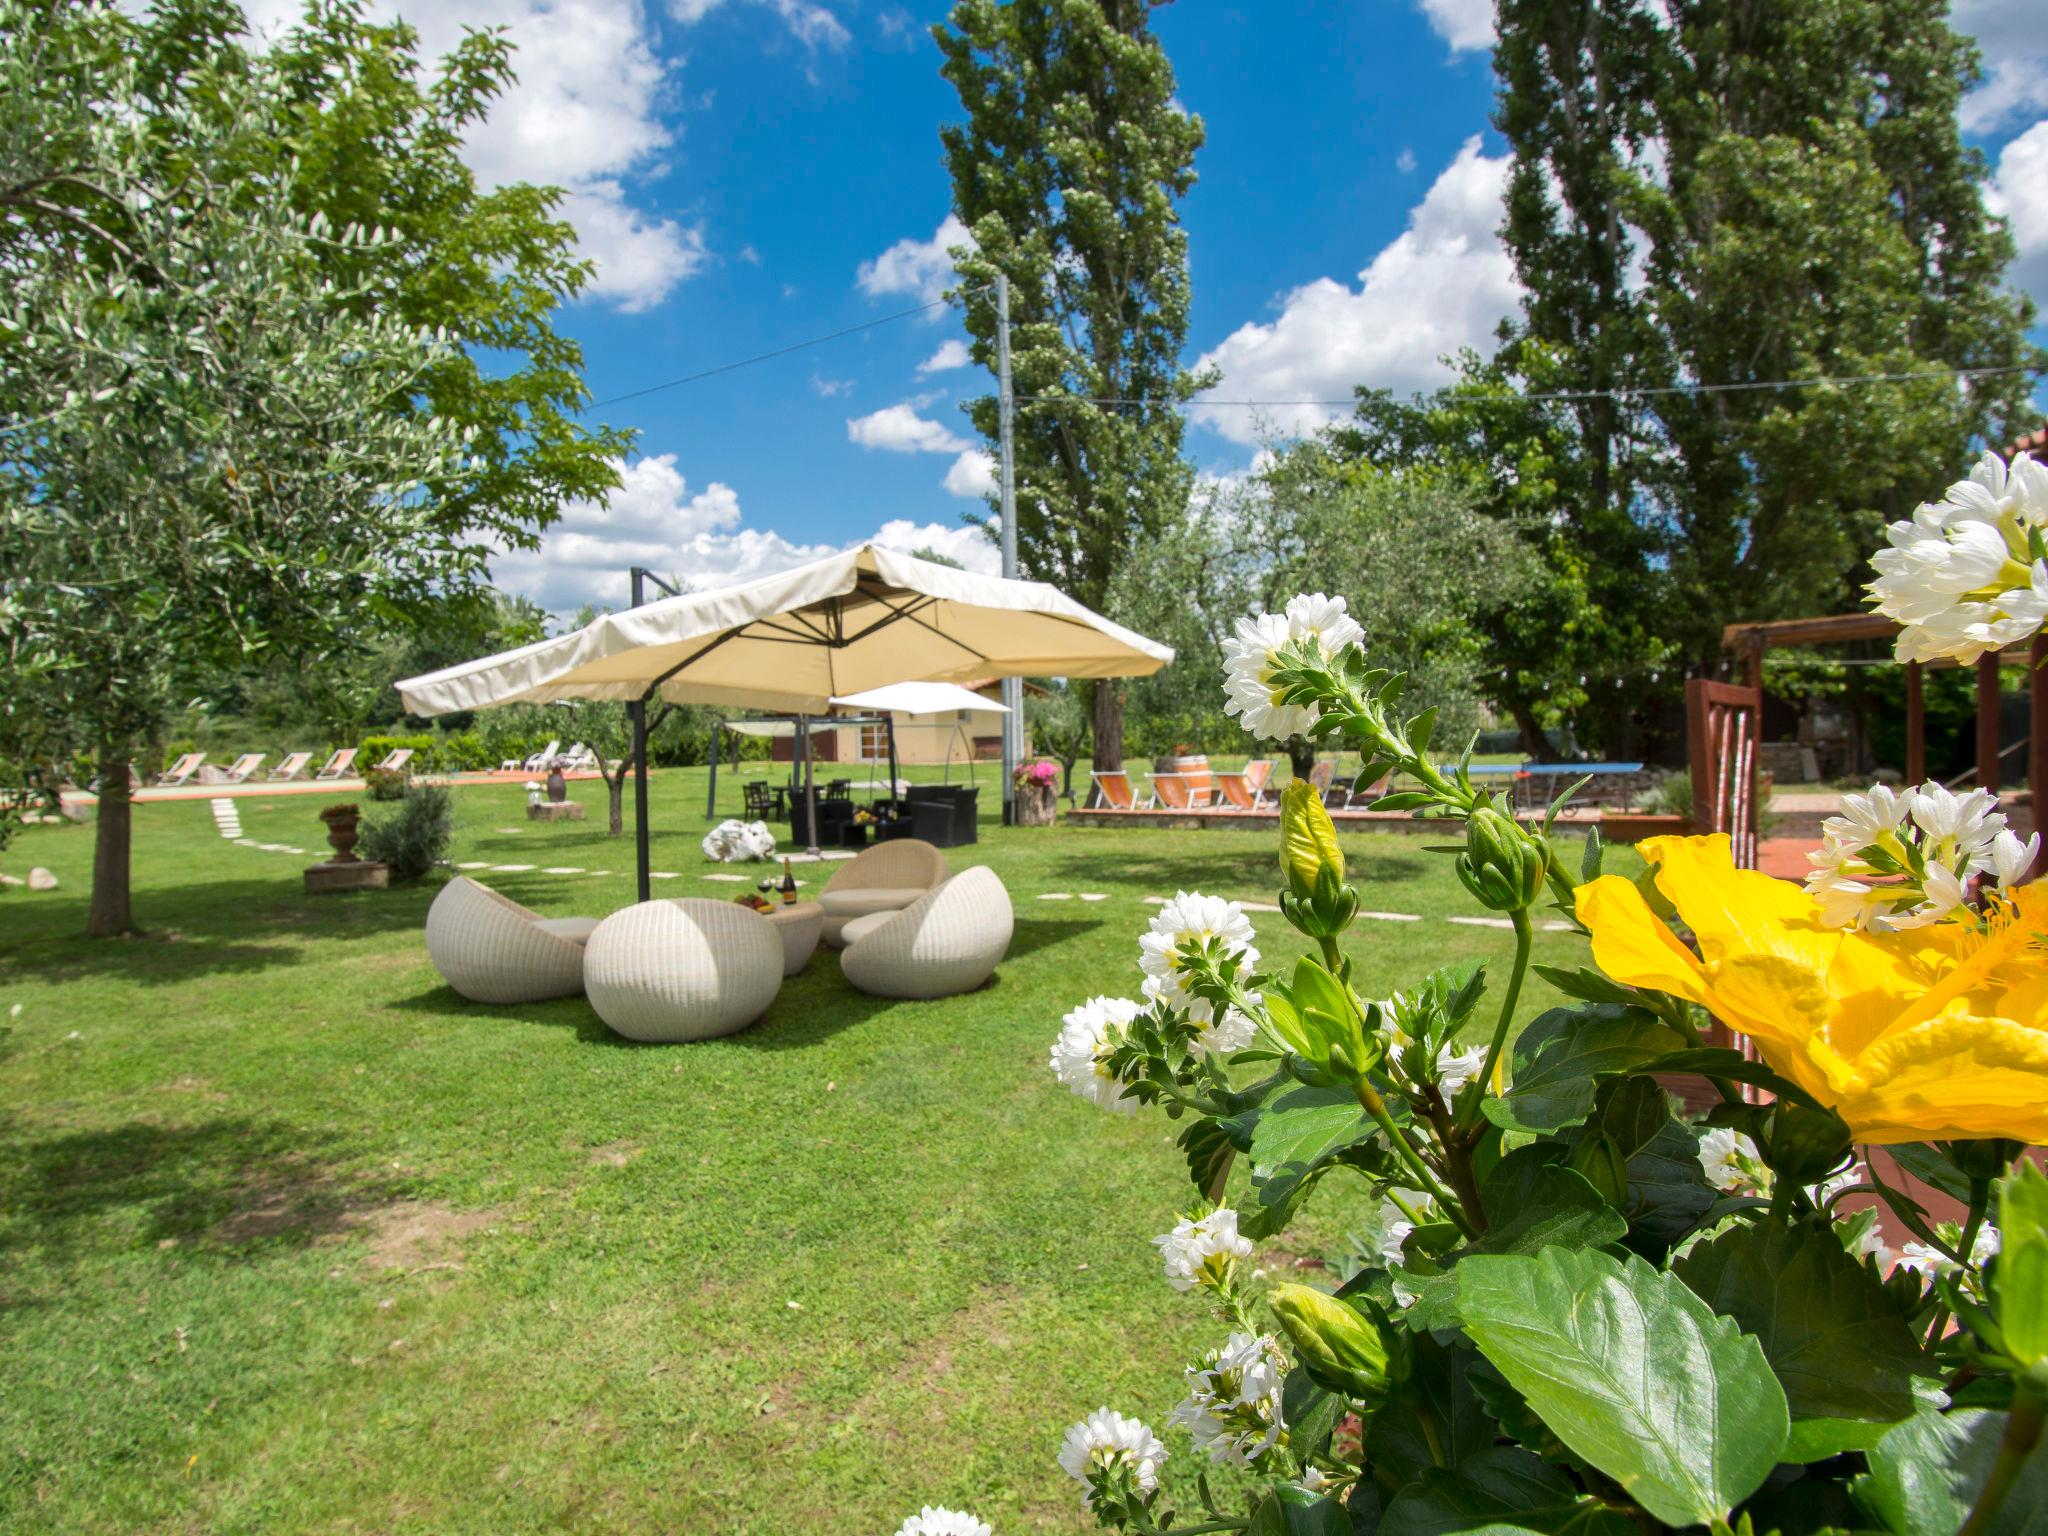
x=803 y=733
x=1006 y=397
x=711 y=794
x=638 y=710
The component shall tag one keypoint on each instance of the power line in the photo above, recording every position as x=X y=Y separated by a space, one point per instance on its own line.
x=1539 y=397
x=762 y=357
x=1568 y=394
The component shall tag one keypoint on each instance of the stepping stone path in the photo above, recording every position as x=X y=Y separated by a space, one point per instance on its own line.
x=229 y=822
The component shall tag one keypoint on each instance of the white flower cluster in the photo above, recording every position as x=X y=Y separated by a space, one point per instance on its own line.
x=1733 y=1164
x=1450 y=1071
x=1202 y=1250
x=1185 y=930
x=1087 y=1038
x=939 y=1521
x=1933 y=1264
x=1106 y=1440
x=1965 y=575
x=1232 y=1409
x=1249 y=662
x=1387 y=1227
x=1895 y=860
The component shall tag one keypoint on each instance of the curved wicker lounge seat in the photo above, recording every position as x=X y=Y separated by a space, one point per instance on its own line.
x=886 y=878
x=949 y=940
x=492 y=950
x=682 y=970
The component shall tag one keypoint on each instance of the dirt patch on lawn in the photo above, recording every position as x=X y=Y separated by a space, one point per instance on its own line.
x=397 y=1234
x=413 y=1235
x=615 y=1154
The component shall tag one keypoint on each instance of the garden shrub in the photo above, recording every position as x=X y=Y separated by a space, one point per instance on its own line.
x=386 y=783
x=415 y=837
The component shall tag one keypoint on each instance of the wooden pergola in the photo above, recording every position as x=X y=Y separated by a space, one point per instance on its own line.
x=1724 y=719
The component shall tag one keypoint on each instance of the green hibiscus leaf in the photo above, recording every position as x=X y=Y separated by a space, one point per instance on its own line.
x=1668 y=1195
x=1439 y=1388
x=1831 y=1331
x=1926 y=1473
x=2019 y=1286
x=1571 y=1049
x=1210 y=1150
x=1296 y=1137
x=1536 y=1205
x=1292 y=1511
x=1311 y=1413
x=1506 y=1491
x=1634 y=1373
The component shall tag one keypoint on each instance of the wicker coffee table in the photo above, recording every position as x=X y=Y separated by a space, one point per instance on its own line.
x=798 y=926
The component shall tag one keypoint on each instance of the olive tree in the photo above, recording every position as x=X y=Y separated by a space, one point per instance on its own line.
x=199 y=462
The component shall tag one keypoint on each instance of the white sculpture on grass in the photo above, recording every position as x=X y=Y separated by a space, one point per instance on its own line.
x=735 y=842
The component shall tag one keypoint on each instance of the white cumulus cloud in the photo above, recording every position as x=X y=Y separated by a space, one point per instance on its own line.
x=919 y=267
x=2014 y=43
x=1464 y=24
x=899 y=429
x=972 y=474
x=584 y=113
x=952 y=353
x=2016 y=192
x=969 y=545
x=809 y=23
x=696 y=537
x=1444 y=283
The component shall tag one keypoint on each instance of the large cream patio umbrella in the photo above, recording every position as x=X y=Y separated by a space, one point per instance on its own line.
x=793 y=642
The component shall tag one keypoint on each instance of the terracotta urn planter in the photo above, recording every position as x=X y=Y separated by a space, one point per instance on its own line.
x=343 y=828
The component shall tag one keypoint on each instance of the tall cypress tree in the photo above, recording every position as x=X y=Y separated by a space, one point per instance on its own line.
x=1068 y=171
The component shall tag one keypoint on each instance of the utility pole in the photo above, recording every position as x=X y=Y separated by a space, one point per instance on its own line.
x=1013 y=687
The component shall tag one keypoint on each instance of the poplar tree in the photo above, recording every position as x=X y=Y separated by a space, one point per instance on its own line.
x=1068 y=171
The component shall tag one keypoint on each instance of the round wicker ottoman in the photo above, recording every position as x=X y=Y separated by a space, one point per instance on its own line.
x=682 y=970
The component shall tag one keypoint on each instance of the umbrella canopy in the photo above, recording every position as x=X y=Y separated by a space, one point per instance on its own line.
x=794 y=642
x=923 y=699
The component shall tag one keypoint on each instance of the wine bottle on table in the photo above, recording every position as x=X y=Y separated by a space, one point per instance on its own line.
x=788 y=885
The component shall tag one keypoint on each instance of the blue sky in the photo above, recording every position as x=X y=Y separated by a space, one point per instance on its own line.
x=751 y=173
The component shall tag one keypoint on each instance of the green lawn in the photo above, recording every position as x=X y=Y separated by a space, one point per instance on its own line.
x=293 y=1239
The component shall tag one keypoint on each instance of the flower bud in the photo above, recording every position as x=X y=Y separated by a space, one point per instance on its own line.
x=1340 y=1348
x=1806 y=1145
x=1316 y=900
x=1500 y=866
x=1308 y=840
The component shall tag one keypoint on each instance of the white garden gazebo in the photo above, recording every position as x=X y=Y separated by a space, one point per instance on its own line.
x=795 y=642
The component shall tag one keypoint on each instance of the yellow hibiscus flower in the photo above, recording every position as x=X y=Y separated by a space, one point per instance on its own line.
x=1939 y=1033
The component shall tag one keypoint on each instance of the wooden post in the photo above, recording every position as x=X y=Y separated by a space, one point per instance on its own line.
x=1987 y=722
x=1916 y=725
x=2037 y=744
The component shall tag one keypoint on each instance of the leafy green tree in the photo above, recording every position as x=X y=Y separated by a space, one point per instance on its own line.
x=1068 y=171
x=1425 y=571
x=1059 y=726
x=1733 y=195
x=373 y=138
x=204 y=456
